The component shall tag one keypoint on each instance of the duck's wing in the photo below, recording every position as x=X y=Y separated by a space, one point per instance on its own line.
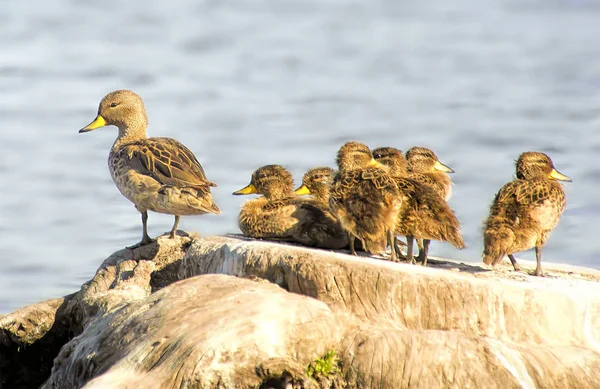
x=340 y=185
x=379 y=177
x=166 y=160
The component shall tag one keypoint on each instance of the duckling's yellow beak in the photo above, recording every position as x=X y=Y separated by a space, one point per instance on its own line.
x=375 y=163
x=250 y=189
x=555 y=174
x=440 y=167
x=303 y=190
x=97 y=123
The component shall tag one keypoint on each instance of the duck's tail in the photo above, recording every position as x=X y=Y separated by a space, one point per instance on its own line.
x=444 y=225
x=456 y=239
x=498 y=238
x=187 y=200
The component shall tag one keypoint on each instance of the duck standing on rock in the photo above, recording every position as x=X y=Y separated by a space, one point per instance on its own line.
x=424 y=166
x=280 y=214
x=365 y=199
x=423 y=213
x=525 y=211
x=156 y=174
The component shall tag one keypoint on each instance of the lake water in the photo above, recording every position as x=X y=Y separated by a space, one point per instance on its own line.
x=247 y=83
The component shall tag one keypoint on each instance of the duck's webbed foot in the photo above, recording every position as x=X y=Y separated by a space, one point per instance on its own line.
x=145 y=240
x=174 y=229
x=514 y=262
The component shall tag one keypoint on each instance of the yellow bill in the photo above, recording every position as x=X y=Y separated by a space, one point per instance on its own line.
x=303 y=190
x=97 y=123
x=375 y=163
x=559 y=176
x=250 y=189
x=442 y=168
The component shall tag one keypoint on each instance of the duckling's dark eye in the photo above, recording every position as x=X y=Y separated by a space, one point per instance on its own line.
x=112 y=105
x=263 y=175
x=377 y=155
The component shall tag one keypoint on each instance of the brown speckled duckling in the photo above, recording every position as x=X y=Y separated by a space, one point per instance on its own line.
x=424 y=166
x=280 y=214
x=423 y=213
x=156 y=174
x=525 y=211
x=316 y=182
x=365 y=199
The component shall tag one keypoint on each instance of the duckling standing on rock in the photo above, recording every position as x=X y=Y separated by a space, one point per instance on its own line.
x=525 y=211
x=156 y=174
x=424 y=214
x=424 y=166
x=365 y=199
x=280 y=214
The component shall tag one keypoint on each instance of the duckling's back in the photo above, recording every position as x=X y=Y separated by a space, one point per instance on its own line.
x=425 y=214
x=439 y=182
x=366 y=202
x=301 y=220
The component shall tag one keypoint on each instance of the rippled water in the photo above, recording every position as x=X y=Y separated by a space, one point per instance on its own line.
x=249 y=83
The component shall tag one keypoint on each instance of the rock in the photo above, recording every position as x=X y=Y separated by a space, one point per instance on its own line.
x=31 y=337
x=205 y=332
x=256 y=314
x=429 y=327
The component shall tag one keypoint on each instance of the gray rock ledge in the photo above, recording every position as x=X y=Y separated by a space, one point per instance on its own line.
x=255 y=314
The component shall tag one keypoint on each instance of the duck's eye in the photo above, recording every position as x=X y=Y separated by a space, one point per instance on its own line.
x=112 y=105
x=377 y=155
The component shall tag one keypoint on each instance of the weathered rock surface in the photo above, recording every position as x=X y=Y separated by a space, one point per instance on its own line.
x=451 y=325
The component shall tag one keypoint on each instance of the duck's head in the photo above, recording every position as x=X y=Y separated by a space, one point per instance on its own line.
x=121 y=108
x=424 y=160
x=355 y=155
x=392 y=158
x=532 y=164
x=316 y=181
x=272 y=181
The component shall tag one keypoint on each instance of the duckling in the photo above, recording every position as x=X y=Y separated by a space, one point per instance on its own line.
x=365 y=199
x=525 y=211
x=280 y=214
x=316 y=182
x=423 y=213
x=424 y=166
x=155 y=174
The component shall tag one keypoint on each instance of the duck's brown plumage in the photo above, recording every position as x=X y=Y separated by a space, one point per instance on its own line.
x=423 y=213
x=156 y=174
x=364 y=198
x=425 y=167
x=279 y=214
x=525 y=211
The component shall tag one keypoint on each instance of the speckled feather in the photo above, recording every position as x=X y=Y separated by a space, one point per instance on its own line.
x=423 y=212
x=366 y=202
